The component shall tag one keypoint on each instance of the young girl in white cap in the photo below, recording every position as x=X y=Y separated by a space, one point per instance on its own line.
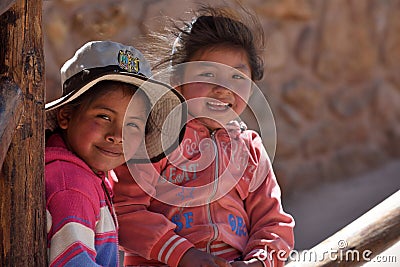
x=110 y=112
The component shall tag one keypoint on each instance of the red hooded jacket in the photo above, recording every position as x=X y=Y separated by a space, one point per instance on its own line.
x=217 y=193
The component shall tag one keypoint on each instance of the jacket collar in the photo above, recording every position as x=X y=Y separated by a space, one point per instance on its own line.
x=234 y=127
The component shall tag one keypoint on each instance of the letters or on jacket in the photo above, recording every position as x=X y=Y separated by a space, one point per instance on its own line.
x=80 y=223
x=217 y=192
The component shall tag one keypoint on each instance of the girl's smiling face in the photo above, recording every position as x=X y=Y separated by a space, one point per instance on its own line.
x=216 y=85
x=94 y=131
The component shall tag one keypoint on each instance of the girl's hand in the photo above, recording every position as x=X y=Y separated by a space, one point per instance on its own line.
x=196 y=258
x=248 y=263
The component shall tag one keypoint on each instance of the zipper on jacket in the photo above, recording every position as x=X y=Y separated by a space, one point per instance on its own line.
x=215 y=187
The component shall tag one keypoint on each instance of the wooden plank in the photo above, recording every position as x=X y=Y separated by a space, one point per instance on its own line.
x=5 y=5
x=10 y=113
x=23 y=215
x=360 y=241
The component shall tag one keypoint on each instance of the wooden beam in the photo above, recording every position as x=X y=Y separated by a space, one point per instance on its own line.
x=10 y=113
x=22 y=191
x=360 y=241
x=5 y=5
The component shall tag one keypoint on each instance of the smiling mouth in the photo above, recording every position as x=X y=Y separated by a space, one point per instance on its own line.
x=109 y=152
x=218 y=106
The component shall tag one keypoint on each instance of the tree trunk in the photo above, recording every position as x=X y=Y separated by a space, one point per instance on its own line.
x=22 y=210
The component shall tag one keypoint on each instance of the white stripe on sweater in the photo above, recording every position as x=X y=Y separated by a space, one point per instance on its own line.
x=69 y=234
x=223 y=251
x=106 y=223
x=172 y=249
x=165 y=246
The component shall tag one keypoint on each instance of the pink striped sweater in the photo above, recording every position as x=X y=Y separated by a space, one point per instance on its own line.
x=81 y=225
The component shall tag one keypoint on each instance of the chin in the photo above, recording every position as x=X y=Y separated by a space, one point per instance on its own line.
x=103 y=168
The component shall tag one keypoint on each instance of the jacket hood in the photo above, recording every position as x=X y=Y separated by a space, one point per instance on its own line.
x=56 y=150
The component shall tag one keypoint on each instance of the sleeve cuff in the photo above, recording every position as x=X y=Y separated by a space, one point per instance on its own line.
x=261 y=255
x=170 y=248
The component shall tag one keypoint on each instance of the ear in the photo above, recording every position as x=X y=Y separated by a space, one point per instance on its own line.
x=64 y=116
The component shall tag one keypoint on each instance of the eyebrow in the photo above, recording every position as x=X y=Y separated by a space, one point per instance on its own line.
x=141 y=115
x=105 y=108
x=137 y=118
x=111 y=110
x=242 y=67
x=216 y=64
x=128 y=117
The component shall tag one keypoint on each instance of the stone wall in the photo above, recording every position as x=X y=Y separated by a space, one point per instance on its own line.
x=332 y=74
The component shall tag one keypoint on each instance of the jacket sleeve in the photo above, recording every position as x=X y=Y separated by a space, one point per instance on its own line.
x=71 y=220
x=271 y=236
x=142 y=232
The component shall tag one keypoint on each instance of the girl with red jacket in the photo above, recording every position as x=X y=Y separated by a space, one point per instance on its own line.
x=215 y=201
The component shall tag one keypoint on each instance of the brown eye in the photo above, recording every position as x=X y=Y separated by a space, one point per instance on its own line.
x=238 y=76
x=132 y=124
x=103 y=116
x=207 y=74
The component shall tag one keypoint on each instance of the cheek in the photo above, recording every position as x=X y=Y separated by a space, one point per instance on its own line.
x=194 y=90
x=90 y=128
x=243 y=91
x=132 y=142
x=87 y=131
x=240 y=104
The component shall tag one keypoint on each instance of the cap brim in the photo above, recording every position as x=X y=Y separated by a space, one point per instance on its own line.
x=125 y=77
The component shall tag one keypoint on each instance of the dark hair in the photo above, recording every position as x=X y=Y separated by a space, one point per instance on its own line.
x=103 y=87
x=221 y=27
x=100 y=89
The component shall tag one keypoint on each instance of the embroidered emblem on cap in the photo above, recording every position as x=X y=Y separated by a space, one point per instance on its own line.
x=127 y=62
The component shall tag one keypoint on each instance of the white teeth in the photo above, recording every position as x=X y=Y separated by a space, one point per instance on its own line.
x=219 y=106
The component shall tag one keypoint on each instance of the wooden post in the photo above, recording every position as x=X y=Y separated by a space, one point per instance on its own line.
x=10 y=113
x=360 y=241
x=22 y=208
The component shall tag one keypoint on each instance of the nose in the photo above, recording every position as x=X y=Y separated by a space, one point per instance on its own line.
x=115 y=136
x=221 y=90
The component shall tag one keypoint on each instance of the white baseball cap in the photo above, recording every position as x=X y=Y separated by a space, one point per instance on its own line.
x=106 y=60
